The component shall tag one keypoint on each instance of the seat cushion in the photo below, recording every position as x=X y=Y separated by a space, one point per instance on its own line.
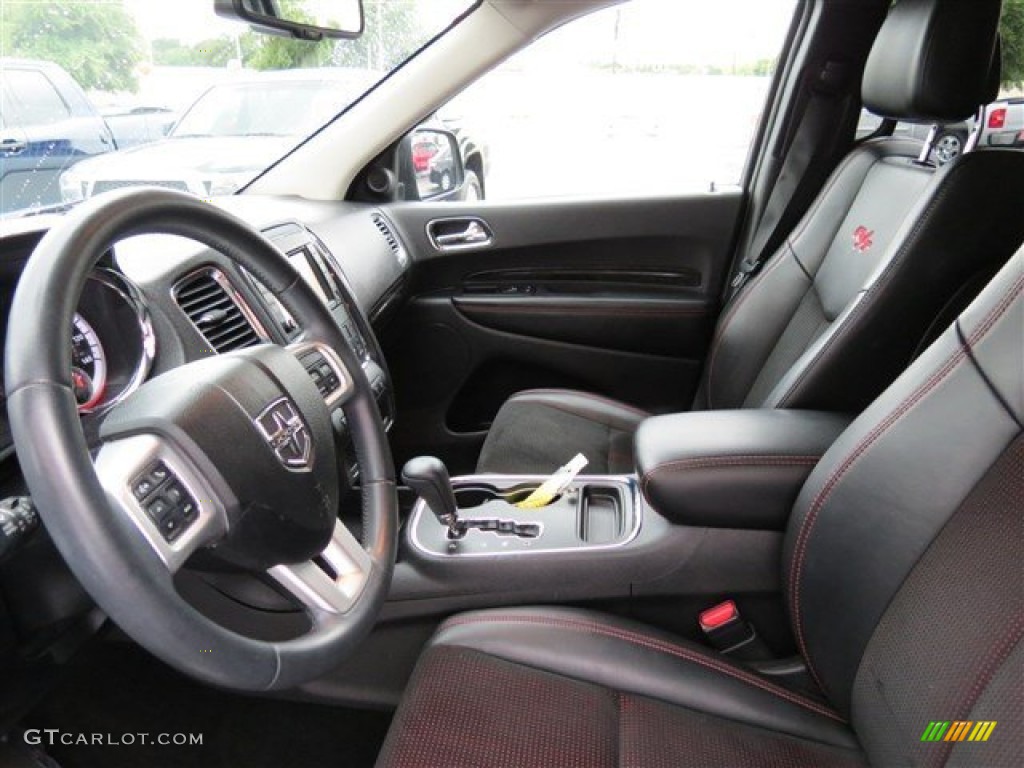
x=562 y=687
x=539 y=430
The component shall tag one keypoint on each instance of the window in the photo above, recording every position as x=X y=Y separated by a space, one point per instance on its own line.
x=35 y=100
x=655 y=96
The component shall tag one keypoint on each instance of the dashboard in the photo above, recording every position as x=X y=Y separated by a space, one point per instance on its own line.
x=156 y=302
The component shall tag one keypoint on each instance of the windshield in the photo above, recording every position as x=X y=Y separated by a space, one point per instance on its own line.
x=287 y=108
x=102 y=94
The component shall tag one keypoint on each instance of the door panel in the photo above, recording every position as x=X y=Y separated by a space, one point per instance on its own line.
x=630 y=322
x=616 y=297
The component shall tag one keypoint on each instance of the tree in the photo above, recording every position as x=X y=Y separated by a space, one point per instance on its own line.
x=215 y=52
x=1011 y=28
x=171 y=53
x=97 y=42
x=271 y=52
x=392 y=33
x=261 y=51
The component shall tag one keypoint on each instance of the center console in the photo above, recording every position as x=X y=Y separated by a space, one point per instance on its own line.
x=704 y=515
x=593 y=513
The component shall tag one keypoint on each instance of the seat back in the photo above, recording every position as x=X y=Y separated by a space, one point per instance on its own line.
x=891 y=248
x=903 y=556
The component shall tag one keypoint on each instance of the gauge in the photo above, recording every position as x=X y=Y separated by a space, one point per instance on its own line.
x=88 y=365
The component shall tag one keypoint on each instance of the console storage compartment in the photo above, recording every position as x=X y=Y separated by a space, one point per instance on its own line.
x=731 y=469
x=594 y=512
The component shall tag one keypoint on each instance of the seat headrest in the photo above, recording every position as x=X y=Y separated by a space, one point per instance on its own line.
x=933 y=60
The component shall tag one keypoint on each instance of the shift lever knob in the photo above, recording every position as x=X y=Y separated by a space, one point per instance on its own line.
x=428 y=476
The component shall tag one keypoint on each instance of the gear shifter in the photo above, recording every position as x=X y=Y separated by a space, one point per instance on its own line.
x=428 y=476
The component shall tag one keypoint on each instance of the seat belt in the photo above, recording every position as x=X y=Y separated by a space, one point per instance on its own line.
x=885 y=129
x=812 y=140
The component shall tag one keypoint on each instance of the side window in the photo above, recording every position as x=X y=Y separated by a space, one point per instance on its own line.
x=654 y=96
x=35 y=100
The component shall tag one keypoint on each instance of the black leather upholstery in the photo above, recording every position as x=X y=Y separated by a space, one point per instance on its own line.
x=731 y=469
x=916 y=454
x=903 y=579
x=888 y=253
x=626 y=656
x=933 y=61
x=871 y=310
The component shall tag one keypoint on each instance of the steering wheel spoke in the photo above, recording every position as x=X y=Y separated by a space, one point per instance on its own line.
x=330 y=583
x=165 y=497
x=327 y=371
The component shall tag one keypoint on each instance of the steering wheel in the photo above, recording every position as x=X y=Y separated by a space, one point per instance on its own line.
x=233 y=455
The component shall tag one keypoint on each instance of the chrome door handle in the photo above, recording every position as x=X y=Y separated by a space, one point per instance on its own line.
x=449 y=234
x=12 y=146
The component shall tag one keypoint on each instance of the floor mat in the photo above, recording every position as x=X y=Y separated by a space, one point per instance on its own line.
x=118 y=692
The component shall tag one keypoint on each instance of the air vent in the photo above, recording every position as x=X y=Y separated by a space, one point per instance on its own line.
x=392 y=240
x=210 y=302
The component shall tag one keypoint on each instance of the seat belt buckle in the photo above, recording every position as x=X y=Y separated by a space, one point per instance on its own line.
x=729 y=634
x=725 y=629
x=746 y=271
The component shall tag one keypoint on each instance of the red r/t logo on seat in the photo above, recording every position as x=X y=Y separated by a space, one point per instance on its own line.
x=863 y=239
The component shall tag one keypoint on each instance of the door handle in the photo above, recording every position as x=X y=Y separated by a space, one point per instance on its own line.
x=451 y=234
x=9 y=145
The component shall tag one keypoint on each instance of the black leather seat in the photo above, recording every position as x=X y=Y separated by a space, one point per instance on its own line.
x=886 y=256
x=902 y=574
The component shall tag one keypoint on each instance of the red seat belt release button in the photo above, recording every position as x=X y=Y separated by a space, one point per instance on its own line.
x=726 y=630
x=720 y=615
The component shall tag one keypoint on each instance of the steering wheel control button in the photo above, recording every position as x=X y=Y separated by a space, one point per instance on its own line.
x=189 y=510
x=327 y=381
x=146 y=484
x=169 y=505
x=143 y=487
x=159 y=509
x=159 y=473
x=171 y=527
x=175 y=494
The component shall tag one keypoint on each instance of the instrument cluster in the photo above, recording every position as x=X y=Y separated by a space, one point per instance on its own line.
x=112 y=345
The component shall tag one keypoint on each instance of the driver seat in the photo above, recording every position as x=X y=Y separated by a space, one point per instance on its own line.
x=902 y=575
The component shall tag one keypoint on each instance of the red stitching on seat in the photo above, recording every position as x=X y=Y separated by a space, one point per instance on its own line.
x=800 y=548
x=731 y=311
x=657 y=645
x=867 y=302
x=997 y=655
x=715 y=462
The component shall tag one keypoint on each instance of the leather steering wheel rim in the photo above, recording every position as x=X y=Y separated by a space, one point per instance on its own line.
x=103 y=549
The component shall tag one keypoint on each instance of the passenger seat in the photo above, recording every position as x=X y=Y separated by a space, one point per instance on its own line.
x=891 y=249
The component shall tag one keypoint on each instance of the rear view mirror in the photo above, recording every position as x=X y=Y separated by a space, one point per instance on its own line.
x=303 y=19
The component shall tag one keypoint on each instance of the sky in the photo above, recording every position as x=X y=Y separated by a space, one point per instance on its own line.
x=665 y=32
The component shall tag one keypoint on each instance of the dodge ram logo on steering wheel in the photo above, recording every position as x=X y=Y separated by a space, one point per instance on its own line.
x=285 y=431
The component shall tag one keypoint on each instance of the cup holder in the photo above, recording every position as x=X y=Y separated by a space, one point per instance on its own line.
x=471 y=496
x=592 y=513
